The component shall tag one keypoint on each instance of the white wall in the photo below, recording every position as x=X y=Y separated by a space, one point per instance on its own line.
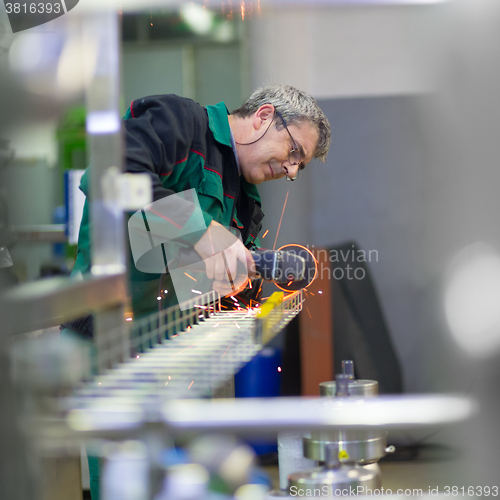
x=345 y=51
x=405 y=174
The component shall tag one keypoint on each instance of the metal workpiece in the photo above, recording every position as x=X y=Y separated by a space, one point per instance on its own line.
x=361 y=446
x=364 y=388
x=275 y=314
x=177 y=354
x=49 y=302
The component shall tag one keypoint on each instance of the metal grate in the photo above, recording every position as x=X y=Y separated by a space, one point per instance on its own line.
x=190 y=353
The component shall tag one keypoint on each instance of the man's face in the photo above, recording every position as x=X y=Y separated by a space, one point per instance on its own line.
x=267 y=159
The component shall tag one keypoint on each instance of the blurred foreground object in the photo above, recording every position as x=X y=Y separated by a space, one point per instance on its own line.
x=472 y=300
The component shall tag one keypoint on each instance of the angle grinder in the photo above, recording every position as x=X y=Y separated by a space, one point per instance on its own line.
x=291 y=267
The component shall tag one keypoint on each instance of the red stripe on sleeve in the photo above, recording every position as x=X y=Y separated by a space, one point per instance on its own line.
x=198 y=153
x=163 y=217
x=215 y=171
x=132 y=109
x=236 y=222
x=181 y=161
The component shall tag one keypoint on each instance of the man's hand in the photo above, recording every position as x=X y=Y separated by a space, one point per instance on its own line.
x=222 y=251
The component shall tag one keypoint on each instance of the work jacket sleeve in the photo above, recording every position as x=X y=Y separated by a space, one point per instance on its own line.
x=160 y=132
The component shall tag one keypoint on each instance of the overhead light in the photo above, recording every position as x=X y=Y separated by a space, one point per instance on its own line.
x=198 y=18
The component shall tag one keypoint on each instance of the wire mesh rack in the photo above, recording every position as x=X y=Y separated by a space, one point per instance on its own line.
x=189 y=353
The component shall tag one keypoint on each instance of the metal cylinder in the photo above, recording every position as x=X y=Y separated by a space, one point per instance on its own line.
x=365 y=388
x=340 y=481
x=362 y=446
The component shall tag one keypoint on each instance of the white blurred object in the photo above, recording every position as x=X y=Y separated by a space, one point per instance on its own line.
x=472 y=300
x=27 y=52
x=125 y=475
x=225 y=456
x=199 y=19
x=5 y=258
x=251 y=492
x=50 y=363
x=75 y=203
x=54 y=61
x=185 y=482
x=103 y=122
x=129 y=191
x=76 y=66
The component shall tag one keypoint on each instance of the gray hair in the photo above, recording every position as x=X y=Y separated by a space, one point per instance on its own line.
x=296 y=107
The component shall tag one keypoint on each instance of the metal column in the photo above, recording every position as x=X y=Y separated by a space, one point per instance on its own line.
x=101 y=31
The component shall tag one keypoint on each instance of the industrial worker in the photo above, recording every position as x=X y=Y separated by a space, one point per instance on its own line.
x=223 y=157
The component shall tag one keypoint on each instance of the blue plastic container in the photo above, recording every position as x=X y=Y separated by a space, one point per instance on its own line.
x=260 y=378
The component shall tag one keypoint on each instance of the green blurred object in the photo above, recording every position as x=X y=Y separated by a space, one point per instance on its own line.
x=72 y=139
x=72 y=144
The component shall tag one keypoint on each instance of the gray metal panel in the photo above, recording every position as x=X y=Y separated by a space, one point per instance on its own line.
x=49 y=302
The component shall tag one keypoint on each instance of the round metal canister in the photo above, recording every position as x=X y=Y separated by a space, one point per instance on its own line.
x=365 y=388
x=359 y=445
x=339 y=481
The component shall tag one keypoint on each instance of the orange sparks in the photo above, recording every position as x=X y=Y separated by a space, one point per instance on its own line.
x=265 y=234
x=226 y=350
x=196 y=291
x=190 y=385
x=236 y=300
x=289 y=283
x=320 y=292
x=311 y=293
x=281 y=218
x=242 y=11
x=237 y=324
x=250 y=283
x=308 y=312
x=279 y=369
x=189 y=276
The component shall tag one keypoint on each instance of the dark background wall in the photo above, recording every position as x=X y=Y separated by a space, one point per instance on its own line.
x=371 y=190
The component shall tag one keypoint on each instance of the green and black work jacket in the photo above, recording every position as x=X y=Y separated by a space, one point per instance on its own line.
x=182 y=146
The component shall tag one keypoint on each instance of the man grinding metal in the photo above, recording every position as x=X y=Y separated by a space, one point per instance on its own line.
x=222 y=157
